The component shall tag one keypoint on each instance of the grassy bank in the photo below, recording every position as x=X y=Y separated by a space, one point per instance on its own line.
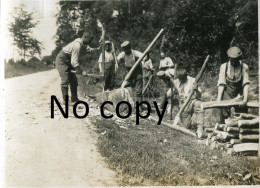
x=149 y=154
x=18 y=69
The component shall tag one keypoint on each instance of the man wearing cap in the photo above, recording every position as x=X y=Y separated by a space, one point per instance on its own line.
x=233 y=81
x=184 y=84
x=67 y=63
x=109 y=71
x=129 y=57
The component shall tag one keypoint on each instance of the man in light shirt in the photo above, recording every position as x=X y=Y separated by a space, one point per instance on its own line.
x=167 y=66
x=128 y=57
x=108 y=69
x=233 y=81
x=67 y=63
x=184 y=85
x=148 y=69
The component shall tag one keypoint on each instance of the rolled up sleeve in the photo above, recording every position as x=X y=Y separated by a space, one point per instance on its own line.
x=245 y=75
x=75 y=55
x=222 y=77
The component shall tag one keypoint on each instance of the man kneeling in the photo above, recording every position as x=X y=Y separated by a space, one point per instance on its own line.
x=184 y=85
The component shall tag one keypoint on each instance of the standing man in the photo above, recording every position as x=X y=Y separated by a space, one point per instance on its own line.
x=148 y=69
x=167 y=66
x=233 y=81
x=109 y=66
x=67 y=63
x=184 y=85
x=129 y=57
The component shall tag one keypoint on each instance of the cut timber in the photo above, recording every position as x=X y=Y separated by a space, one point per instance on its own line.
x=231 y=122
x=233 y=129
x=227 y=103
x=176 y=127
x=228 y=145
x=254 y=131
x=210 y=135
x=249 y=137
x=246 y=116
x=254 y=123
x=220 y=127
x=235 y=141
x=245 y=147
x=209 y=130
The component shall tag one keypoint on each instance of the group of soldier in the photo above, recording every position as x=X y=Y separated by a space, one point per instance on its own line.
x=233 y=77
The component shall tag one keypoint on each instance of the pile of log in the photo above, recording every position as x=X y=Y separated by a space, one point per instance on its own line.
x=238 y=134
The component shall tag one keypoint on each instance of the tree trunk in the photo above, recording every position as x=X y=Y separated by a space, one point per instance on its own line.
x=252 y=131
x=248 y=123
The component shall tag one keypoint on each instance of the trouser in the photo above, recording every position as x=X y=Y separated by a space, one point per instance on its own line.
x=225 y=112
x=109 y=78
x=192 y=107
x=67 y=78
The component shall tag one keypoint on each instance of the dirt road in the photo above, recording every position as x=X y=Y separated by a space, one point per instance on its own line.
x=41 y=151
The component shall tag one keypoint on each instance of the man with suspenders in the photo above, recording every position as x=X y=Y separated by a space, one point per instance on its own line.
x=233 y=81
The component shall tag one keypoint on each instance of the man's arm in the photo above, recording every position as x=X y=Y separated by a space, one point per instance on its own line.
x=170 y=62
x=221 y=82
x=245 y=92
x=220 y=92
x=75 y=59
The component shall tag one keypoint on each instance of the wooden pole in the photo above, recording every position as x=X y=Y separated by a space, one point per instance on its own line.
x=227 y=104
x=141 y=58
x=176 y=127
x=103 y=55
x=177 y=118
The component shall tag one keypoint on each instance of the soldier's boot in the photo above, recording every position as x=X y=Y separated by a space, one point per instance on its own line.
x=74 y=93
x=64 y=91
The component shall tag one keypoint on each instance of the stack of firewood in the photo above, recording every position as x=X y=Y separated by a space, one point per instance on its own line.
x=238 y=134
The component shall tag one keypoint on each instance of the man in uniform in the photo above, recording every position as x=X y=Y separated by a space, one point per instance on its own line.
x=67 y=63
x=233 y=81
x=184 y=84
x=109 y=72
x=166 y=68
x=129 y=57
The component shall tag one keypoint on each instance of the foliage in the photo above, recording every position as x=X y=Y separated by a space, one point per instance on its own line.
x=194 y=28
x=21 y=30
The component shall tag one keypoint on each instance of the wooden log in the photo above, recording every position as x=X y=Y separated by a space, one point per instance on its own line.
x=252 y=131
x=246 y=116
x=229 y=145
x=245 y=147
x=210 y=135
x=254 y=123
x=231 y=122
x=220 y=127
x=249 y=137
x=233 y=129
x=227 y=104
x=235 y=141
x=203 y=135
x=129 y=74
x=209 y=130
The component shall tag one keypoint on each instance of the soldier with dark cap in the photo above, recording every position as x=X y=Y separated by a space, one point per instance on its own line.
x=233 y=81
x=129 y=57
x=67 y=61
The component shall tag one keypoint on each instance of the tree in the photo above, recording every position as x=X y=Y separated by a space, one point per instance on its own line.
x=21 y=30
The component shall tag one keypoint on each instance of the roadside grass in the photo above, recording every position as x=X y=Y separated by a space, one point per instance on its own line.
x=150 y=154
x=18 y=69
x=154 y=155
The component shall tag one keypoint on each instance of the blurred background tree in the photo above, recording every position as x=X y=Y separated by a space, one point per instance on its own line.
x=21 y=30
x=194 y=28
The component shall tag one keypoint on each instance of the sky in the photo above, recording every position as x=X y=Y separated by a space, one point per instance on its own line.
x=45 y=11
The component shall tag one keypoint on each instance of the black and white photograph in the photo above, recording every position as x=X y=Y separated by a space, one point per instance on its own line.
x=129 y=93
